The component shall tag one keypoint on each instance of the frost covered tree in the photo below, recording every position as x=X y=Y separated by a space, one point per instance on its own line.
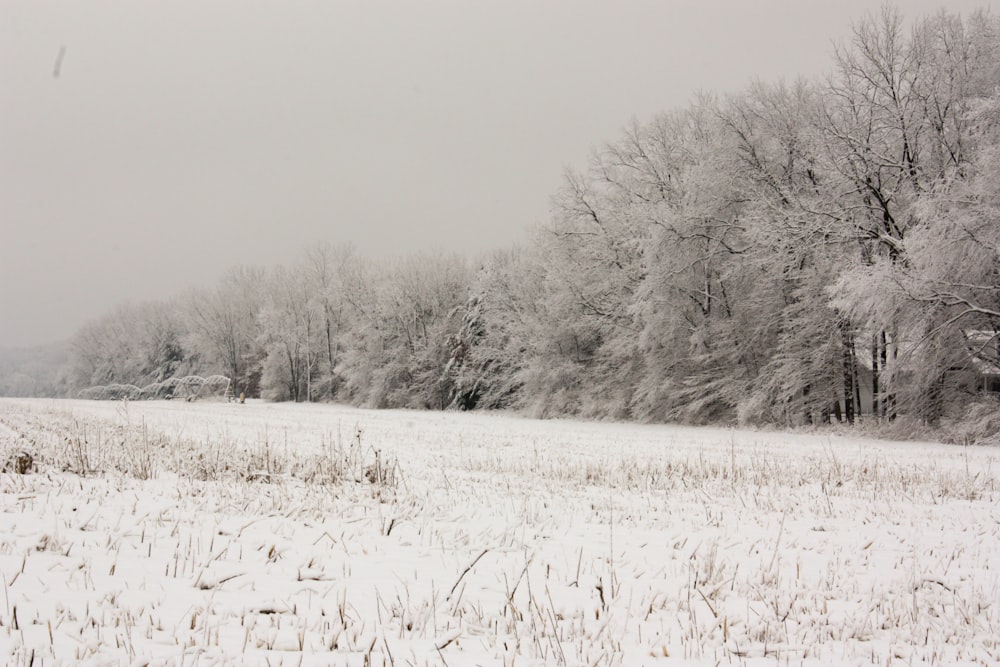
x=291 y=334
x=641 y=277
x=902 y=129
x=946 y=292
x=324 y=266
x=589 y=252
x=791 y=216
x=492 y=350
x=793 y=253
x=402 y=316
x=134 y=344
x=715 y=262
x=223 y=327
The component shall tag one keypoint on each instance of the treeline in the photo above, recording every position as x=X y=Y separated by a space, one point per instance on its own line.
x=806 y=251
x=331 y=326
x=34 y=371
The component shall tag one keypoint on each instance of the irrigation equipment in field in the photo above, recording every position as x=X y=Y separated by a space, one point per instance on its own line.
x=188 y=388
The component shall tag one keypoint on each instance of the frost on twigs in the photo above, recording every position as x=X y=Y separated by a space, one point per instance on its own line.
x=16 y=451
x=980 y=425
x=189 y=388
x=129 y=447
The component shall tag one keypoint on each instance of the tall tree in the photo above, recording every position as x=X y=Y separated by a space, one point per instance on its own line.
x=223 y=326
x=900 y=129
x=324 y=266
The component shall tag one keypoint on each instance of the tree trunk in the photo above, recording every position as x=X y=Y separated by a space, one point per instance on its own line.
x=309 y=361
x=293 y=376
x=875 y=373
x=848 y=373
x=889 y=399
x=329 y=348
x=857 y=381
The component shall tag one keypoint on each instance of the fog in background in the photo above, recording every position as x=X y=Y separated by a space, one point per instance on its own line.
x=146 y=147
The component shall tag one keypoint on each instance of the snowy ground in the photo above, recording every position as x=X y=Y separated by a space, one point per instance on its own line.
x=169 y=533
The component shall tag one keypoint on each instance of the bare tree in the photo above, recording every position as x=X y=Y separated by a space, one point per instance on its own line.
x=224 y=328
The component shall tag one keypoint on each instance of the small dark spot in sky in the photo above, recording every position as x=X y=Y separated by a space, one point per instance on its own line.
x=59 y=60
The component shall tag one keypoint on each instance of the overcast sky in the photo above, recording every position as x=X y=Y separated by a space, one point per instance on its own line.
x=145 y=147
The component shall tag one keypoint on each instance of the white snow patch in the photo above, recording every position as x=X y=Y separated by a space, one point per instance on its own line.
x=218 y=533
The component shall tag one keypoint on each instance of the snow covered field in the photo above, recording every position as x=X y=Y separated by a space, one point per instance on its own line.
x=169 y=533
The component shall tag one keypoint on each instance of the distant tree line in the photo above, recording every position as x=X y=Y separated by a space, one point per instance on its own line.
x=798 y=252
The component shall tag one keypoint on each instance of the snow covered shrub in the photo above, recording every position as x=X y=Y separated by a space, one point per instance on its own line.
x=980 y=425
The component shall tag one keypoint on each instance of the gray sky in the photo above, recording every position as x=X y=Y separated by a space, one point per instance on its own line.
x=146 y=146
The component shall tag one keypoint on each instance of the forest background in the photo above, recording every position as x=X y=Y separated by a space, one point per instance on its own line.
x=807 y=252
